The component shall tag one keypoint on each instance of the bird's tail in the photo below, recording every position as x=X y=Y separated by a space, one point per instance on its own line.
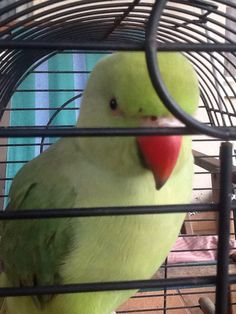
x=3 y=300
x=3 y=306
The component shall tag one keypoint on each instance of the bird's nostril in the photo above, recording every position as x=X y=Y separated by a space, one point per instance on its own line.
x=153 y=118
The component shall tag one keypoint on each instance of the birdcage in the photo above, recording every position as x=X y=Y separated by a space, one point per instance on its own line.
x=48 y=49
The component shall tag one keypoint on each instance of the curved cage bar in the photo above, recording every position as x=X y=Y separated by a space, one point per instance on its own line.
x=155 y=22
x=189 y=26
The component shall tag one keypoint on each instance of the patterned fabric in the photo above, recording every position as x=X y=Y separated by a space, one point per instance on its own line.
x=196 y=249
x=42 y=91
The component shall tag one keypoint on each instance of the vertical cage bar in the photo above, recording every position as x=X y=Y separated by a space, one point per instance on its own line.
x=165 y=290
x=222 y=280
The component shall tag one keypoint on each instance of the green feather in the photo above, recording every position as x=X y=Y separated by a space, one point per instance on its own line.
x=93 y=172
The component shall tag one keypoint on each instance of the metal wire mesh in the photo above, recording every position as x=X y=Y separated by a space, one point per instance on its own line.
x=31 y=32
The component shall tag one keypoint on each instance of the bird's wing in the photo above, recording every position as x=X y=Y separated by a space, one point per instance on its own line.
x=33 y=250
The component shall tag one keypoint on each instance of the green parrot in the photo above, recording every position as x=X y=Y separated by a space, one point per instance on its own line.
x=97 y=172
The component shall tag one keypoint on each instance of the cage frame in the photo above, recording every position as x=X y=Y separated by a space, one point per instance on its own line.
x=224 y=206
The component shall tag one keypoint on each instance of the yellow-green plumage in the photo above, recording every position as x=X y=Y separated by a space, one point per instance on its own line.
x=93 y=172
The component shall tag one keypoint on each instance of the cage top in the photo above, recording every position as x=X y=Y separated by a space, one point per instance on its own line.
x=30 y=30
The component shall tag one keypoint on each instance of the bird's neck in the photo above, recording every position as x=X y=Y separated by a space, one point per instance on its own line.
x=113 y=154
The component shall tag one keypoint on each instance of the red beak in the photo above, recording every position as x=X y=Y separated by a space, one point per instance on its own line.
x=160 y=154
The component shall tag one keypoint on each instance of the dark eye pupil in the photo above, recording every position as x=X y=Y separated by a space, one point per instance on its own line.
x=113 y=104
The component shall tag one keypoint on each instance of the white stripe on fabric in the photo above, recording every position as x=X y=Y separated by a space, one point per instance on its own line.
x=41 y=101
x=80 y=79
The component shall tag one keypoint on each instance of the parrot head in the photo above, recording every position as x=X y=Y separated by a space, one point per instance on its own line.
x=120 y=94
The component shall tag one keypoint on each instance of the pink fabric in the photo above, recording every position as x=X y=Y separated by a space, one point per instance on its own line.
x=196 y=243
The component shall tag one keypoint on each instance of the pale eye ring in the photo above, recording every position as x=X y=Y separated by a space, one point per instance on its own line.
x=113 y=104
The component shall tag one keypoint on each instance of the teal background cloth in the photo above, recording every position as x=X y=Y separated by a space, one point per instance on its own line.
x=52 y=90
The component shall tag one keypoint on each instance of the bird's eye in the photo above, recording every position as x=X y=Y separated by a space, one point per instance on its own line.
x=113 y=104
